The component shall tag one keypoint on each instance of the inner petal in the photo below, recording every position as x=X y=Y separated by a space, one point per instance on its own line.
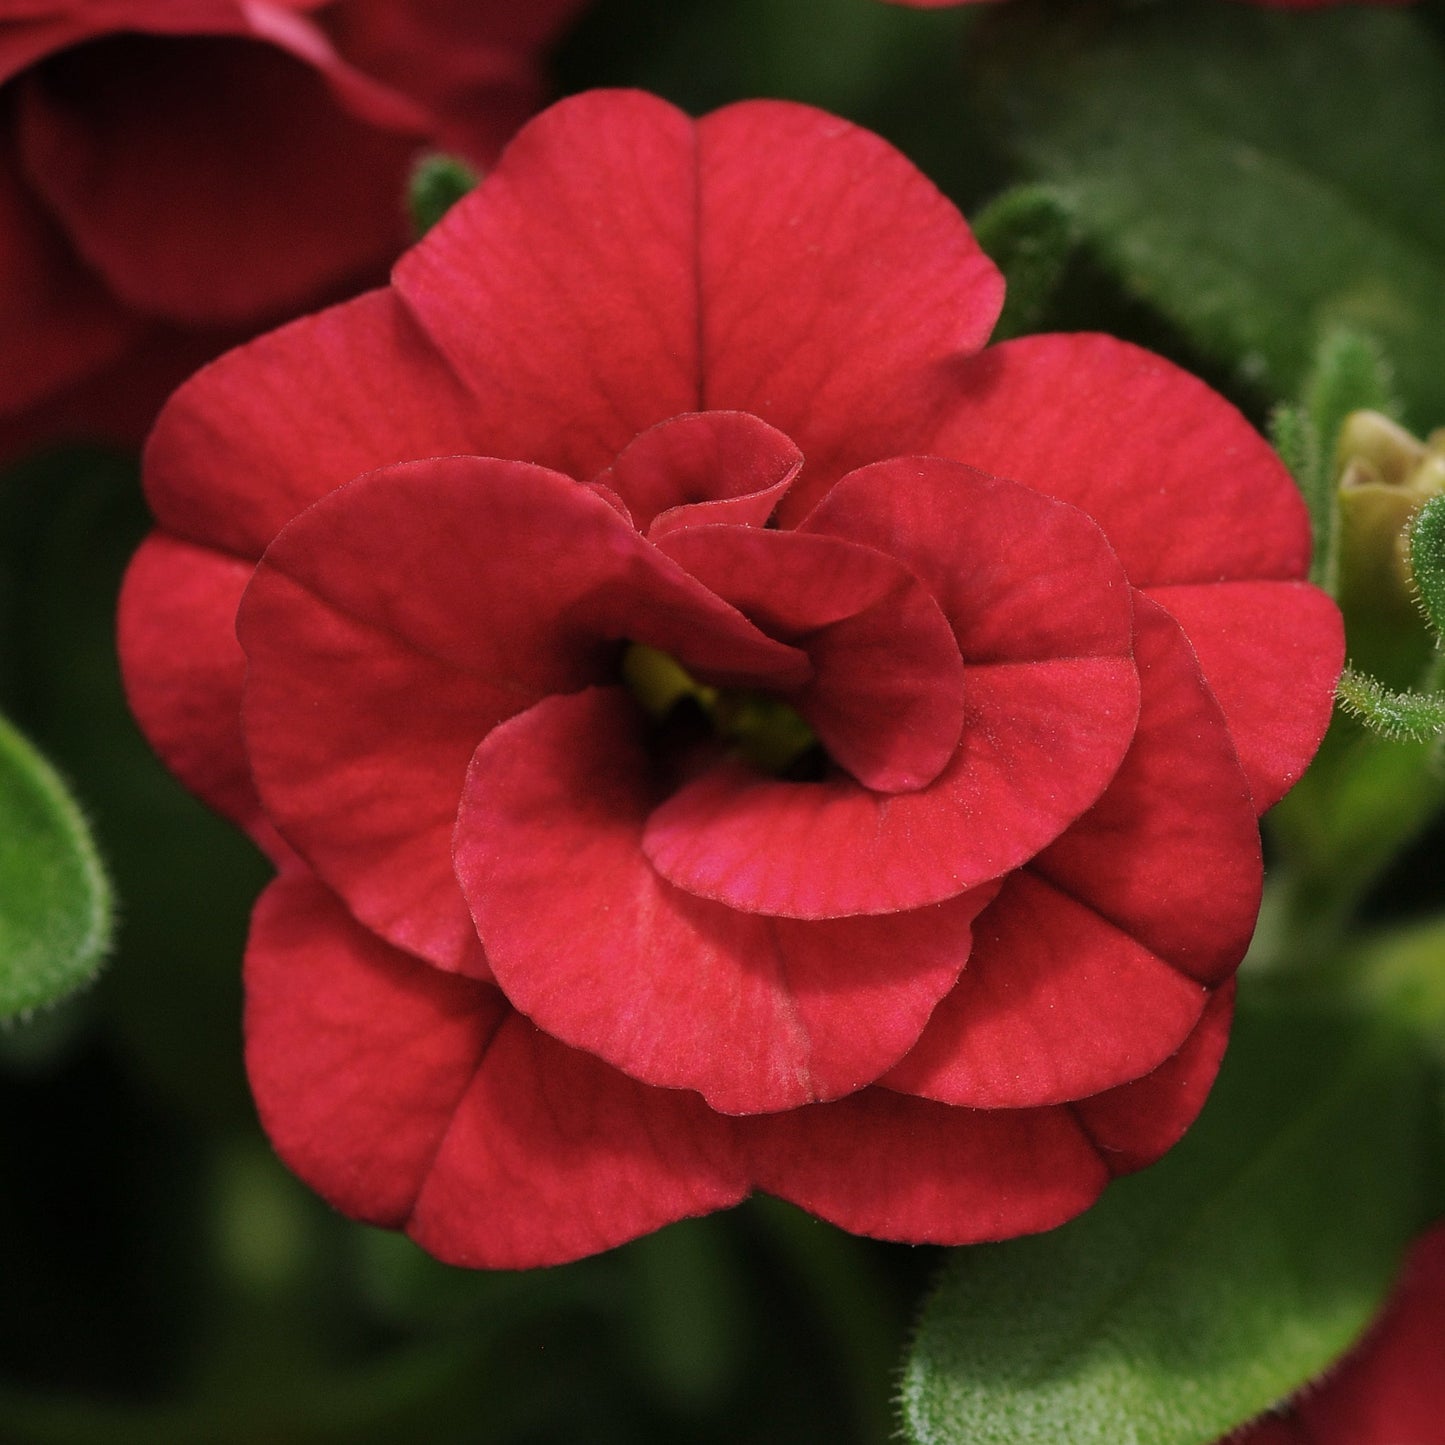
x=716 y=466
x=886 y=694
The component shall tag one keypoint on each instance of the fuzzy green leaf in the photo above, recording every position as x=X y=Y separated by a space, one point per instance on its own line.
x=1257 y=179
x=1427 y=562
x=1206 y=1289
x=1028 y=233
x=55 y=913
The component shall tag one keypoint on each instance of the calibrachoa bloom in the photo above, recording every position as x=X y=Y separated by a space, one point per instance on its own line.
x=718 y=727
x=1389 y=1390
x=176 y=175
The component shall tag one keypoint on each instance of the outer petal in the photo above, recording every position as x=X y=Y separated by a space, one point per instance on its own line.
x=358 y=1054
x=184 y=672
x=754 y=1013
x=621 y=266
x=1136 y=1123
x=884 y=1164
x=886 y=695
x=1272 y=653
x=367 y=693
x=1057 y=1003
x=260 y=434
x=553 y=1155
x=213 y=179
x=1185 y=489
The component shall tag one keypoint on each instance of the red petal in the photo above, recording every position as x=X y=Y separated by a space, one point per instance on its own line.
x=754 y=1013
x=1136 y=1123
x=212 y=178
x=622 y=266
x=1021 y=577
x=57 y=324
x=262 y=433
x=553 y=1155
x=839 y=288
x=1184 y=487
x=367 y=693
x=886 y=695
x=716 y=466
x=1170 y=853
x=884 y=1164
x=1040 y=742
x=1056 y=1004
x=1272 y=653
x=358 y=1055
x=184 y=672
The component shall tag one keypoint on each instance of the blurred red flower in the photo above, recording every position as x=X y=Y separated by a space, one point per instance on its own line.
x=1390 y=1389
x=177 y=175
x=1269 y=4
x=545 y=968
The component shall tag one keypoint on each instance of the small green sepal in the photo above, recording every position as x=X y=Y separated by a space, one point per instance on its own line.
x=437 y=183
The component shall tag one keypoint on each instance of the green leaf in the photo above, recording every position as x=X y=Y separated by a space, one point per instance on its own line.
x=1258 y=179
x=1207 y=1288
x=1427 y=562
x=438 y=182
x=1029 y=235
x=1407 y=716
x=55 y=913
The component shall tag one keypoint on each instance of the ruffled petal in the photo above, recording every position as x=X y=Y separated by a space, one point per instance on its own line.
x=1171 y=852
x=367 y=693
x=908 y=1169
x=1183 y=486
x=886 y=695
x=184 y=672
x=553 y=1155
x=1136 y=1123
x=1057 y=1003
x=1040 y=742
x=621 y=266
x=754 y=1013
x=260 y=434
x=358 y=1055
x=715 y=466
x=1272 y=653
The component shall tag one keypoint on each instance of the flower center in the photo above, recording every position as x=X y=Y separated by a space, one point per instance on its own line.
x=764 y=729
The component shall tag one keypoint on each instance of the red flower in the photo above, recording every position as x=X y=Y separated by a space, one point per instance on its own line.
x=176 y=175
x=542 y=972
x=1390 y=1390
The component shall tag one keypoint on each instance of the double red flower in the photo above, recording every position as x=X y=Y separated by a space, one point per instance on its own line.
x=176 y=175
x=546 y=967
